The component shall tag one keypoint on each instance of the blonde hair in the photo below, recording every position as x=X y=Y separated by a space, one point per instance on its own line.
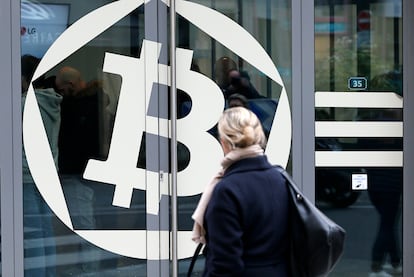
x=241 y=128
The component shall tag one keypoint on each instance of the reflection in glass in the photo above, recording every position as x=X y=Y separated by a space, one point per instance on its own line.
x=78 y=102
x=86 y=103
x=361 y=40
x=240 y=82
x=39 y=241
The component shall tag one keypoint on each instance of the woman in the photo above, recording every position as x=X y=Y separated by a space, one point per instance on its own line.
x=242 y=216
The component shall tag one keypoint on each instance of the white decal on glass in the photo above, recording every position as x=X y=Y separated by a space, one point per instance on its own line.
x=191 y=130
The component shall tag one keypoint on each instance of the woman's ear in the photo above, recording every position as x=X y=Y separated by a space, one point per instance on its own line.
x=225 y=145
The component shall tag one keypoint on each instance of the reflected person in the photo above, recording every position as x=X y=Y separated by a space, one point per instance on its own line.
x=385 y=192
x=39 y=237
x=237 y=100
x=239 y=82
x=78 y=142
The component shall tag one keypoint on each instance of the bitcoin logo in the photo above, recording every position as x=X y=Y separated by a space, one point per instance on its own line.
x=119 y=169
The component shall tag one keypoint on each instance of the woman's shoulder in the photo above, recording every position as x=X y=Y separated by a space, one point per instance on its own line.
x=246 y=174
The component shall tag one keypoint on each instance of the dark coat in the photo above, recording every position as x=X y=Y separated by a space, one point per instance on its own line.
x=80 y=129
x=246 y=222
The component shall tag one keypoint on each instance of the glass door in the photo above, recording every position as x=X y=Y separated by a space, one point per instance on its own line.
x=97 y=179
x=95 y=132
x=96 y=84
x=359 y=130
x=229 y=53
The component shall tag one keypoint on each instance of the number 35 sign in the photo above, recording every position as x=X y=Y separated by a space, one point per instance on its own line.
x=357 y=83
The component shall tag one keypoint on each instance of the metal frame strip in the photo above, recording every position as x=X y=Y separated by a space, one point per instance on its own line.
x=12 y=255
x=173 y=118
x=408 y=158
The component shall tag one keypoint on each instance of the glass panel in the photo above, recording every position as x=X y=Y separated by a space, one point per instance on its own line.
x=358 y=129
x=96 y=185
x=81 y=220
x=224 y=53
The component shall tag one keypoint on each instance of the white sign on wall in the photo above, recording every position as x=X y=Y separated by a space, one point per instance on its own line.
x=359 y=181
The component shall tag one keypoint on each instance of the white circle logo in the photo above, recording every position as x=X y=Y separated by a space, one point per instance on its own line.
x=216 y=25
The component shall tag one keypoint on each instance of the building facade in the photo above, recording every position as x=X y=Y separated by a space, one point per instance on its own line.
x=109 y=112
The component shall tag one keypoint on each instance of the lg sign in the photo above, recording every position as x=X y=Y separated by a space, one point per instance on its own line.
x=29 y=31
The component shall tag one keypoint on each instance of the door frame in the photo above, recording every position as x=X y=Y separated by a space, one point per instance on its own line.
x=12 y=255
x=408 y=138
x=303 y=119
